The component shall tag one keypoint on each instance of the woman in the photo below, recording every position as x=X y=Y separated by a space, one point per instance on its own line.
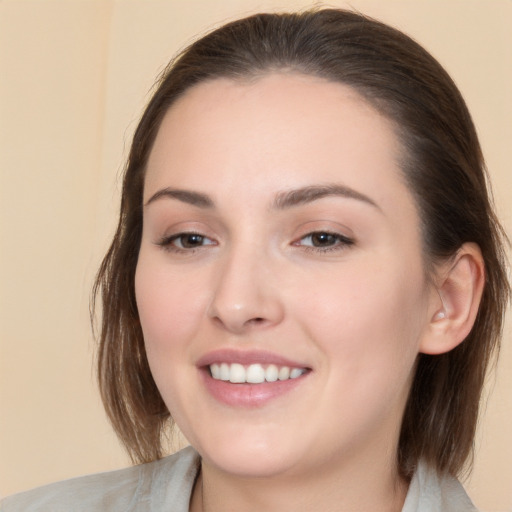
x=307 y=276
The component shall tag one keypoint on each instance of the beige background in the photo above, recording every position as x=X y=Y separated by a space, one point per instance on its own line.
x=74 y=77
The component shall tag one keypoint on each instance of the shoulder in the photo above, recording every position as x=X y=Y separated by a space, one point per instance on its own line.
x=146 y=487
x=431 y=492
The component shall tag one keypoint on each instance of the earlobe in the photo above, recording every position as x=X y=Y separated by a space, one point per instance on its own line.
x=460 y=287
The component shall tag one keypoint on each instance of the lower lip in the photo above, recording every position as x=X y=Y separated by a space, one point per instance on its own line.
x=248 y=395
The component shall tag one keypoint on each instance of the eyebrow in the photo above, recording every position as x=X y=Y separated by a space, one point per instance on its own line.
x=185 y=196
x=283 y=200
x=304 y=195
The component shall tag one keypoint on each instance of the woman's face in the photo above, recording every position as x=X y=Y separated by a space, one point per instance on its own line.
x=280 y=242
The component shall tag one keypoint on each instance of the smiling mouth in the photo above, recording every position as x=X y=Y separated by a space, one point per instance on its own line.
x=254 y=373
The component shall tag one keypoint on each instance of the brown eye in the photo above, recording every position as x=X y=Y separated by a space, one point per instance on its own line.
x=189 y=240
x=323 y=240
x=185 y=241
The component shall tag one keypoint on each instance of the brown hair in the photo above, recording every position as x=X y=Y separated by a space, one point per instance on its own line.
x=444 y=169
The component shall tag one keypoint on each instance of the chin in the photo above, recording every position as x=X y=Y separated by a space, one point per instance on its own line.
x=249 y=458
x=249 y=465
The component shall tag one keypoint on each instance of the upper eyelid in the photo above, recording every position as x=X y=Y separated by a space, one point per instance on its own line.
x=341 y=236
x=166 y=243
x=325 y=226
x=174 y=236
x=302 y=230
x=191 y=227
x=306 y=233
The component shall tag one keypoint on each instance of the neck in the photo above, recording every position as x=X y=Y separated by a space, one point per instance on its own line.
x=354 y=488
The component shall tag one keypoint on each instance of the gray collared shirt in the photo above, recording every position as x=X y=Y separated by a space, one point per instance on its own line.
x=166 y=485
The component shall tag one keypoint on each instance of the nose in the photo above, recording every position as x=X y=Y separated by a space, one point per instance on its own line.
x=246 y=294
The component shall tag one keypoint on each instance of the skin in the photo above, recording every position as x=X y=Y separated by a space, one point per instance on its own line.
x=356 y=314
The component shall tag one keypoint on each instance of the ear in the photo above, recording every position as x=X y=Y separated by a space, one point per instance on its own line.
x=459 y=288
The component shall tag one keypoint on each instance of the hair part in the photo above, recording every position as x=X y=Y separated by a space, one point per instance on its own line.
x=442 y=165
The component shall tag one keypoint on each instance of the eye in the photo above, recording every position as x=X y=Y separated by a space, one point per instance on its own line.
x=185 y=241
x=324 y=240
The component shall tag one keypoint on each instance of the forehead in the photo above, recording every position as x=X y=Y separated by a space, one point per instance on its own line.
x=287 y=127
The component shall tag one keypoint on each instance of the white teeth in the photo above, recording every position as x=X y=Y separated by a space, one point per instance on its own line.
x=284 y=373
x=271 y=373
x=237 y=374
x=224 y=371
x=215 y=369
x=296 y=372
x=254 y=373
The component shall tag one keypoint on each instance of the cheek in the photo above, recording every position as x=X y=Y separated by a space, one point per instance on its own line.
x=368 y=320
x=169 y=305
x=169 y=310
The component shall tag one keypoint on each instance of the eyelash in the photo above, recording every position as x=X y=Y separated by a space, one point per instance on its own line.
x=341 y=242
x=166 y=242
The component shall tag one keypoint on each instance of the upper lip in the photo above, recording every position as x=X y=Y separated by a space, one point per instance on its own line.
x=247 y=357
